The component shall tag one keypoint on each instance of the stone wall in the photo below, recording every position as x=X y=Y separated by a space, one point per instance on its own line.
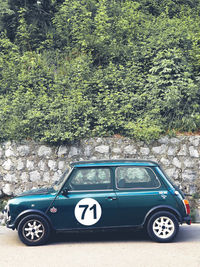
x=28 y=165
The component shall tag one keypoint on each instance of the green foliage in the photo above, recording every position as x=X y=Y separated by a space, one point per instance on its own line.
x=23 y=38
x=4 y=11
x=147 y=128
x=171 y=88
x=37 y=17
x=71 y=69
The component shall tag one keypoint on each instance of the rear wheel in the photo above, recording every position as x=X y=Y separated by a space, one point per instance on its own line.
x=162 y=227
x=33 y=230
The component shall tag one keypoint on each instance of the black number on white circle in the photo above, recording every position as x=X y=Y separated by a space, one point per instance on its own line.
x=88 y=211
x=85 y=207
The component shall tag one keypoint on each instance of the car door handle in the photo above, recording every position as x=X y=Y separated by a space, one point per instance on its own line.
x=111 y=198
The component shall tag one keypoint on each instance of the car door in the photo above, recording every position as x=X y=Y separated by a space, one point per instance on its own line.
x=90 y=201
x=138 y=190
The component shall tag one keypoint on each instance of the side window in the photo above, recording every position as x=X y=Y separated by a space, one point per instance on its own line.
x=136 y=177
x=91 y=179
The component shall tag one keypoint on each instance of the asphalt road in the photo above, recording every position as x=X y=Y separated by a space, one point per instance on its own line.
x=102 y=249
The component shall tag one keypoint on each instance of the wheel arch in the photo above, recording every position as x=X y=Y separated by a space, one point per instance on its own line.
x=31 y=212
x=162 y=208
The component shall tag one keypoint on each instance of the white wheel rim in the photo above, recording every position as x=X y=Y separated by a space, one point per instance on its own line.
x=163 y=227
x=33 y=230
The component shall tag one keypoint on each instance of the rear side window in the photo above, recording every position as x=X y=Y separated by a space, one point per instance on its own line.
x=136 y=177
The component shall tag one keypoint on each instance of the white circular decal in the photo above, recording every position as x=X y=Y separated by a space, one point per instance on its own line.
x=88 y=211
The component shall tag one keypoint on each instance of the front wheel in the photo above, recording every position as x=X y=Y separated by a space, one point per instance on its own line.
x=162 y=227
x=33 y=230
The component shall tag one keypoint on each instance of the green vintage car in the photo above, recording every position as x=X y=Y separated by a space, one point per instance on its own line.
x=95 y=195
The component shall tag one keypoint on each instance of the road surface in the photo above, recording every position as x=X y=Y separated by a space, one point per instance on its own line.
x=102 y=250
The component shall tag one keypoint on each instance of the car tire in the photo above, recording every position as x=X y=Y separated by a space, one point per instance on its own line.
x=162 y=227
x=33 y=230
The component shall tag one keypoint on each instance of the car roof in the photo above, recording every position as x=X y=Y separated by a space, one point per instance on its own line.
x=118 y=162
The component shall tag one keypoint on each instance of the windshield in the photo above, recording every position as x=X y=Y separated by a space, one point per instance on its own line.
x=58 y=184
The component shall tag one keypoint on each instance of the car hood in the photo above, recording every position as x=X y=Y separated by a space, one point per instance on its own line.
x=40 y=191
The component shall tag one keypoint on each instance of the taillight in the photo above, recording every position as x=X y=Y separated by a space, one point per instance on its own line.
x=187 y=206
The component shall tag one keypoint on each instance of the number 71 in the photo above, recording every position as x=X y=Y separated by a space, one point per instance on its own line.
x=85 y=207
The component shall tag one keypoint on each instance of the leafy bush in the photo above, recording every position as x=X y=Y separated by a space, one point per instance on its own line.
x=98 y=68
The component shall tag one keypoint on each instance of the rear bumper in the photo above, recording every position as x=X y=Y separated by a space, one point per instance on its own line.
x=187 y=220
